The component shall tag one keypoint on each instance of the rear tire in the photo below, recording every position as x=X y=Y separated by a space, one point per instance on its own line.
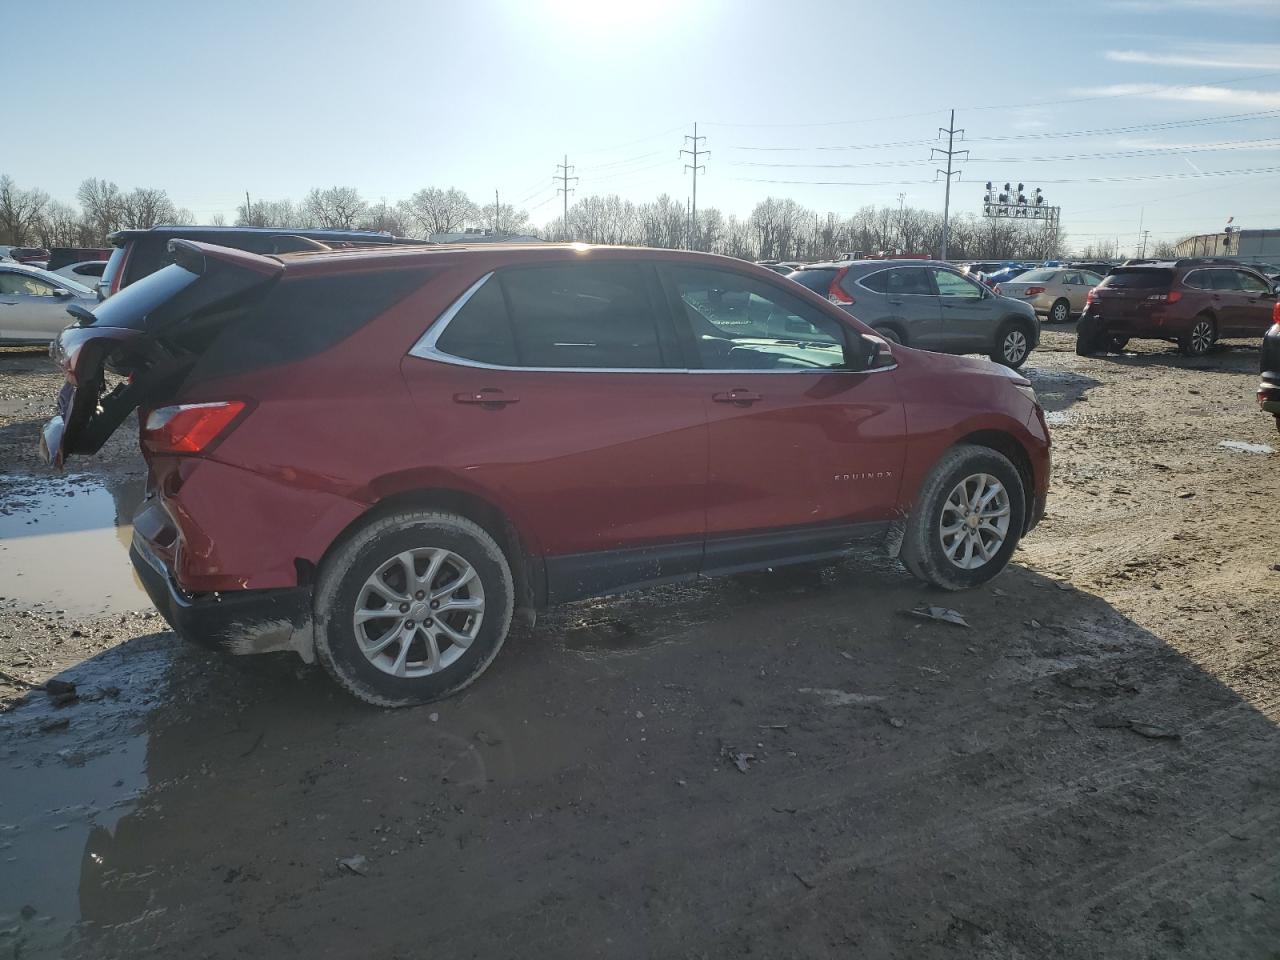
x=430 y=653
x=1060 y=312
x=1117 y=344
x=1200 y=339
x=890 y=334
x=1087 y=336
x=934 y=546
x=1013 y=345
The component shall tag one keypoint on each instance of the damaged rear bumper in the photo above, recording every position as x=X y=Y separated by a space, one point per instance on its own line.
x=247 y=621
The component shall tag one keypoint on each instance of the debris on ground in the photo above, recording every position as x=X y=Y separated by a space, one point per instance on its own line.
x=842 y=698
x=359 y=864
x=487 y=740
x=1152 y=731
x=941 y=614
x=738 y=758
x=1240 y=446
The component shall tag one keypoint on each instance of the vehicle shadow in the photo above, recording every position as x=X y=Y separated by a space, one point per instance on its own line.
x=781 y=765
x=1231 y=357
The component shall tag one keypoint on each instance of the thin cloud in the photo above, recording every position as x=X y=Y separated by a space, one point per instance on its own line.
x=1263 y=8
x=1218 y=96
x=1243 y=58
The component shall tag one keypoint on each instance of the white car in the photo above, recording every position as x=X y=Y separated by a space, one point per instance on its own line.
x=33 y=303
x=87 y=273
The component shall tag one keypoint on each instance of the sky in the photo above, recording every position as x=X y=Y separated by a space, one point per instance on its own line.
x=834 y=104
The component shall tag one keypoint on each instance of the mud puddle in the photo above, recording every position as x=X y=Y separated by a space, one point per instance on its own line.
x=64 y=544
x=71 y=778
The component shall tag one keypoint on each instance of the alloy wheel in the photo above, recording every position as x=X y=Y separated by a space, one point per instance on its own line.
x=418 y=612
x=1014 y=347
x=975 y=521
x=1060 y=313
x=1201 y=337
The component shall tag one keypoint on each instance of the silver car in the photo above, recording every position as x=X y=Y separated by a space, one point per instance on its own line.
x=33 y=303
x=1056 y=293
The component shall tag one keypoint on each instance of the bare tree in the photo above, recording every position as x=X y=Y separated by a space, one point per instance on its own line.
x=218 y=220
x=337 y=208
x=440 y=211
x=145 y=207
x=384 y=219
x=504 y=219
x=60 y=225
x=20 y=211
x=103 y=206
x=269 y=213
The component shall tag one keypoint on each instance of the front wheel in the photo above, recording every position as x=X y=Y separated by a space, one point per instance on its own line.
x=1013 y=346
x=967 y=520
x=412 y=607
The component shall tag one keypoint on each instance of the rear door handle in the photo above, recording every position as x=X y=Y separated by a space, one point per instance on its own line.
x=737 y=396
x=487 y=397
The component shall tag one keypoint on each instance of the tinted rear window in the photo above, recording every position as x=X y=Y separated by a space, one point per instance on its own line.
x=1038 y=276
x=481 y=330
x=302 y=317
x=130 y=307
x=819 y=281
x=1138 y=278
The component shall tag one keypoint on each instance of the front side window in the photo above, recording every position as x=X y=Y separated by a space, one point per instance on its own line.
x=20 y=284
x=953 y=285
x=1251 y=284
x=740 y=323
x=596 y=315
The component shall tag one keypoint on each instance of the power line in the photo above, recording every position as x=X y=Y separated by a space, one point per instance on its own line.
x=950 y=153
x=1247 y=171
x=1136 y=153
x=694 y=154
x=1048 y=135
x=564 y=178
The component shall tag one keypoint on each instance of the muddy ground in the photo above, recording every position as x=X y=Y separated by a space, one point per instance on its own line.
x=780 y=766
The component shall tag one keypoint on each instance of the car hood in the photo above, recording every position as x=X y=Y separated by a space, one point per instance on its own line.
x=944 y=364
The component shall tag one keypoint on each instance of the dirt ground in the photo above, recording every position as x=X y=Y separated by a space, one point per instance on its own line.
x=776 y=766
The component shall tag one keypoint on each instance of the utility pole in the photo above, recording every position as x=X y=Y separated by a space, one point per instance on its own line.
x=950 y=153
x=694 y=154
x=564 y=178
x=248 y=208
x=497 y=210
x=1142 y=213
x=1145 y=234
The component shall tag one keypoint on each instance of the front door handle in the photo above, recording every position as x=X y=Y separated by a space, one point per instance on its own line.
x=737 y=396
x=487 y=397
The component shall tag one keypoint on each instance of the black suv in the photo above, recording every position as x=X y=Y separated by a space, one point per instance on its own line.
x=140 y=253
x=1269 y=388
x=928 y=304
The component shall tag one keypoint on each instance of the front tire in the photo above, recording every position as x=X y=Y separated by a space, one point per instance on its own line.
x=412 y=607
x=967 y=520
x=1060 y=312
x=1013 y=346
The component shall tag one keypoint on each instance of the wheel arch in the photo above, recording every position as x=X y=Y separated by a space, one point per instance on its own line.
x=526 y=566
x=1012 y=449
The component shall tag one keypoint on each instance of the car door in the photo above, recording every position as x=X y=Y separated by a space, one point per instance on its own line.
x=569 y=401
x=29 y=307
x=969 y=314
x=1227 y=299
x=1258 y=300
x=804 y=454
x=909 y=303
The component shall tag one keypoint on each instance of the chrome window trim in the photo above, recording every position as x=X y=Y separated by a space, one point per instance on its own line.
x=425 y=348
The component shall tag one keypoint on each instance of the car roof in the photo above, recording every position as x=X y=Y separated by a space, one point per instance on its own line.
x=488 y=256
x=174 y=231
x=882 y=264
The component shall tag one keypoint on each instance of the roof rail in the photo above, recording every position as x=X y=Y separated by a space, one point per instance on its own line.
x=292 y=243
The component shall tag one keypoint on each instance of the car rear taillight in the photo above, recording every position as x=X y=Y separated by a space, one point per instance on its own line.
x=188 y=427
x=1275 y=313
x=1091 y=296
x=1029 y=292
x=835 y=292
x=1172 y=297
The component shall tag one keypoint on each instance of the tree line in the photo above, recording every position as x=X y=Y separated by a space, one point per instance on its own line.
x=776 y=228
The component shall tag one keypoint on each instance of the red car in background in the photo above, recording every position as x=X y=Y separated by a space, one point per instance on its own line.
x=375 y=456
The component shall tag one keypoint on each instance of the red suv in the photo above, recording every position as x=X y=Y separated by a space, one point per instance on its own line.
x=378 y=456
x=1192 y=303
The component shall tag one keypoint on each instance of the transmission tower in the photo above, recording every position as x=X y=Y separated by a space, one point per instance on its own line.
x=564 y=177
x=950 y=153
x=694 y=154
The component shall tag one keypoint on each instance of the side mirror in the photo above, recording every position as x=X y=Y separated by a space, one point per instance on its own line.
x=872 y=353
x=61 y=293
